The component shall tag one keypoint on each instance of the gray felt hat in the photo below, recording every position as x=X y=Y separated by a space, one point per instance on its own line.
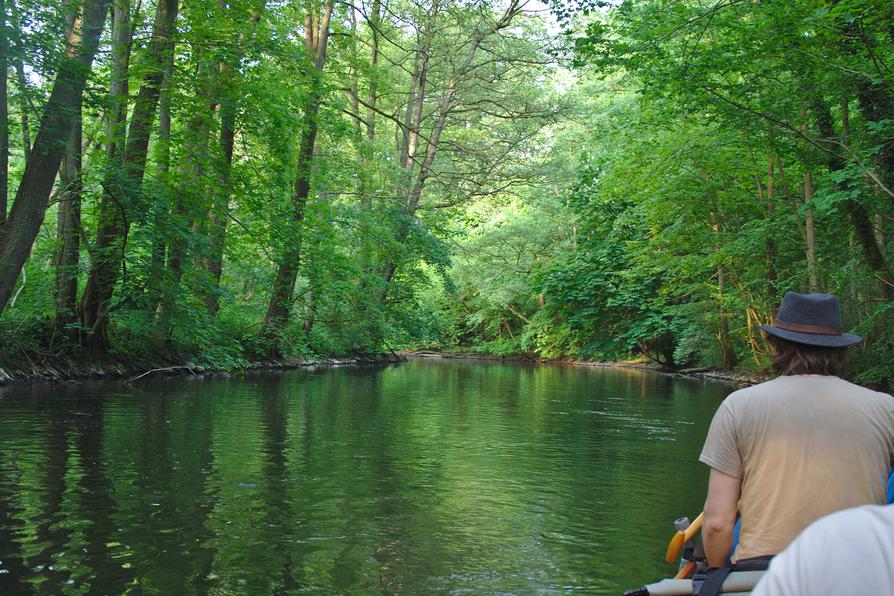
x=812 y=319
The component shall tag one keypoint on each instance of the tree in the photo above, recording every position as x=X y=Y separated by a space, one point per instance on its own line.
x=316 y=38
x=121 y=199
x=29 y=208
x=68 y=229
x=4 y=115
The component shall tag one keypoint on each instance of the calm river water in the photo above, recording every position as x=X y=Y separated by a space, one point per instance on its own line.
x=427 y=477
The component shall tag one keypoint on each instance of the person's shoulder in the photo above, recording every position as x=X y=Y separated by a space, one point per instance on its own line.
x=859 y=388
x=862 y=392
x=823 y=557
x=823 y=384
x=853 y=523
x=754 y=391
x=863 y=512
x=739 y=404
x=880 y=513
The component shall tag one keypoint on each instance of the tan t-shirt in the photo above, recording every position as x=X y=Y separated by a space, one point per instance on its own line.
x=804 y=446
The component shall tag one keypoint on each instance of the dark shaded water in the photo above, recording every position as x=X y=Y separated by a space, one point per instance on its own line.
x=427 y=477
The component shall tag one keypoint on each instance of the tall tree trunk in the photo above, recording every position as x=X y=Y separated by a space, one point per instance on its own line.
x=810 y=229
x=163 y=161
x=119 y=84
x=770 y=243
x=354 y=78
x=68 y=233
x=416 y=96
x=316 y=39
x=311 y=311
x=15 y=24
x=287 y=272
x=413 y=118
x=876 y=102
x=29 y=207
x=220 y=200
x=365 y=151
x=122 y=189
x=25 y=123
x=4 y=115
x=192 y=187
x=373 y=96
x=415 y=177
x=368 y=315
x=727 y=350
x=806 y=225
x=856 y=210
x=188 y=212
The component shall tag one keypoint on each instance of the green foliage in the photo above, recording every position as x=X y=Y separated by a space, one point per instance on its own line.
x=697 y=128
x=650 y=200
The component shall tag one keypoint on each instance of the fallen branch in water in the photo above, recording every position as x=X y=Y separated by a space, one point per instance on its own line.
x=155 y=370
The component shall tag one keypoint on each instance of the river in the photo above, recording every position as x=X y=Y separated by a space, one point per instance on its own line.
x=433 y=476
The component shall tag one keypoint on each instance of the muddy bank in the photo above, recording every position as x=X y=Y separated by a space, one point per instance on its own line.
x=723 y=376
x=64 y=370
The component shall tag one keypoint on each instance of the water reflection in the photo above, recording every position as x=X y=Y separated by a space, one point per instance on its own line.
x=426 y=477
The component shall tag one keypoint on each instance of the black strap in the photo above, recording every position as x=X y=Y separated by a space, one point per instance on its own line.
x=754 y=563
x=714 y=581
x=713 y=584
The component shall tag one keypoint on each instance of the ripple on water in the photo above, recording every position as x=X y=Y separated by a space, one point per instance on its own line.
x=448 y=477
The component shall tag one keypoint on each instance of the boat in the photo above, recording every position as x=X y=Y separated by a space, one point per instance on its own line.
x=686 y=548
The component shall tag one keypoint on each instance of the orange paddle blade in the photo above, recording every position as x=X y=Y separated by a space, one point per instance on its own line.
x=674 y=548
x=681 y=538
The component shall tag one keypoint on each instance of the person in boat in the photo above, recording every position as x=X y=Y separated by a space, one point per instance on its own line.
x=789 y=451
x=848 y=552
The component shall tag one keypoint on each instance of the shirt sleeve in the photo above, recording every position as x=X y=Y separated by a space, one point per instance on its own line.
x=721 y=450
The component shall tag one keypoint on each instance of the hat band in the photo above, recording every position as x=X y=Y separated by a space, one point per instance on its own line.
x=817 y=329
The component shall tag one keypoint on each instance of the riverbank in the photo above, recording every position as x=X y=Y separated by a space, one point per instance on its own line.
x=740 y=378
x=64 y=369
x=69 y=370
x=49 y=369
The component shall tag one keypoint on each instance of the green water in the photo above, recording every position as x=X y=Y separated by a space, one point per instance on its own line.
x=426 y=477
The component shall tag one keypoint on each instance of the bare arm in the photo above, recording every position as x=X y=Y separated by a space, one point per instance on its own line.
x=720 y=516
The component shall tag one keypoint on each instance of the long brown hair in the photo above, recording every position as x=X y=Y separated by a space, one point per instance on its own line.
x=790 y=358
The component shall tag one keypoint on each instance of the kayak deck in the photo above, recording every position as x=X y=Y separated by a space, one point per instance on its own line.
x=737 y=582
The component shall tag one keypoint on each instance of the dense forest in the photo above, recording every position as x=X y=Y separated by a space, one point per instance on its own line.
x=222 y=181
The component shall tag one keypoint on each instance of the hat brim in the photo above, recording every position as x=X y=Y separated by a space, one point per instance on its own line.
x=814 y=339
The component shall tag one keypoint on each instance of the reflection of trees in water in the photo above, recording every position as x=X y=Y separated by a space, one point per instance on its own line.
x=12 y=565
x=122 y=499
x=95 y=501
x=335 y=512
x=50 y=531
x=70 y=497
x=281 y=519
x=342 y=469
x=171 y=456
x=423 y=477
x=193 y=439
